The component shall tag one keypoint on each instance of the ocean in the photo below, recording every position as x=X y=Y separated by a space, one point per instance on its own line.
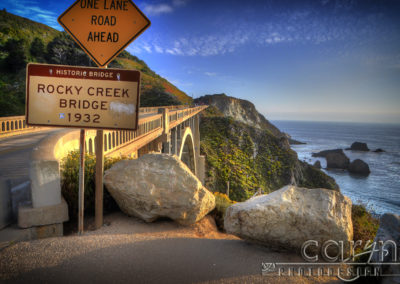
x=380 y=191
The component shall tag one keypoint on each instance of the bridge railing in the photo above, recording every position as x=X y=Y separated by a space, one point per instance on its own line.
x=117 y=139
x=114 y=140
x=17 y=123
x=177 y=116
x=12 y=123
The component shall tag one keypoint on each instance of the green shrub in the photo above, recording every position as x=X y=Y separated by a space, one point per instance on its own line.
x=365 y=225
x=70 y=183
x=222 y=202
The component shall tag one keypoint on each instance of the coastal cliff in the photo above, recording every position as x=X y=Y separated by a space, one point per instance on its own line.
x=244 y=149
x=240 y=110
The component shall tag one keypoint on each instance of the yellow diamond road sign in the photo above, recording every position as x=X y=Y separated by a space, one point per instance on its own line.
x=103 y=28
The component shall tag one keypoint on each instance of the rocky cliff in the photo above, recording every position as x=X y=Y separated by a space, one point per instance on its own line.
x=240 y=110
x=250 y=155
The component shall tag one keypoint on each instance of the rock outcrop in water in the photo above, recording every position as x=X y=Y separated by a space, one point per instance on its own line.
x=323 y=154
x=359 y=167
x=336 y=160
x=359 y=146
x=288 y=217
x=158 y=185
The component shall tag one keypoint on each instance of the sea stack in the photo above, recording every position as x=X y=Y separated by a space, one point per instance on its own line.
x=359 y=146
x=359 y=167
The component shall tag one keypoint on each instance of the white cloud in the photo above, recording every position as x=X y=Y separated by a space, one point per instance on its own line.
x=41 y=11
x=147 y=47
x=158 y=9
x=210 y=74
x=302 y=26
x=163 y=8
x=31 y=10
x=158 y=49
x=134 y=49
x=178 y=3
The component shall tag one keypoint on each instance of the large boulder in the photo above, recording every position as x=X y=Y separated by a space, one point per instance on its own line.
x=288 y=217
x=337 y=161
x=359 y=167
x=158 y=185
x=324 y=153
x=359 y=146
x=388 y=233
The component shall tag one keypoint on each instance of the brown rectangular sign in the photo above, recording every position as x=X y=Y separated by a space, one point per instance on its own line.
x=82 y=97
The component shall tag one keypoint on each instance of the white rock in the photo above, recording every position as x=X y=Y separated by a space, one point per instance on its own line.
x=290 y=216
x=158 y=185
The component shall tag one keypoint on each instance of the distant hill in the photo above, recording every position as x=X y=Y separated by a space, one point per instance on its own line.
x=23 y=41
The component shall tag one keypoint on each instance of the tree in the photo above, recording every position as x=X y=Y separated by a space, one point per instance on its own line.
x=37 y=48
x=16 y=58
x=63 y=50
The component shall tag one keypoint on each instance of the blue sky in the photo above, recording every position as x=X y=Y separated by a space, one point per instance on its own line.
x=328 y=60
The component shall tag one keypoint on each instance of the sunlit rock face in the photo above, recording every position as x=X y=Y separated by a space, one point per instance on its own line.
x=240 y=110
x=286 y=218
x=158 y=185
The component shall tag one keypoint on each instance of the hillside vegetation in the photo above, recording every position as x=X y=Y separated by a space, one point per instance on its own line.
x=250 y=157
x=23 y=41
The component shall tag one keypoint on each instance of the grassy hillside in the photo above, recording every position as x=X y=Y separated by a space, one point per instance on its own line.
x=23 y=41
x=251 y=158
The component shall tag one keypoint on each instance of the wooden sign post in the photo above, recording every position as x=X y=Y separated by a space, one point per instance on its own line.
x=98 y=218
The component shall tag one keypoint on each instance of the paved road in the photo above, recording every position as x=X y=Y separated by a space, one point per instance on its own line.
x=15 y=153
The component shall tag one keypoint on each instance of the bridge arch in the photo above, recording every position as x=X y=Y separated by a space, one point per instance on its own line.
x=186 y=151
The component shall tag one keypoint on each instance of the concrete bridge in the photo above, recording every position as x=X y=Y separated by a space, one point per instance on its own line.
x=30 y=192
